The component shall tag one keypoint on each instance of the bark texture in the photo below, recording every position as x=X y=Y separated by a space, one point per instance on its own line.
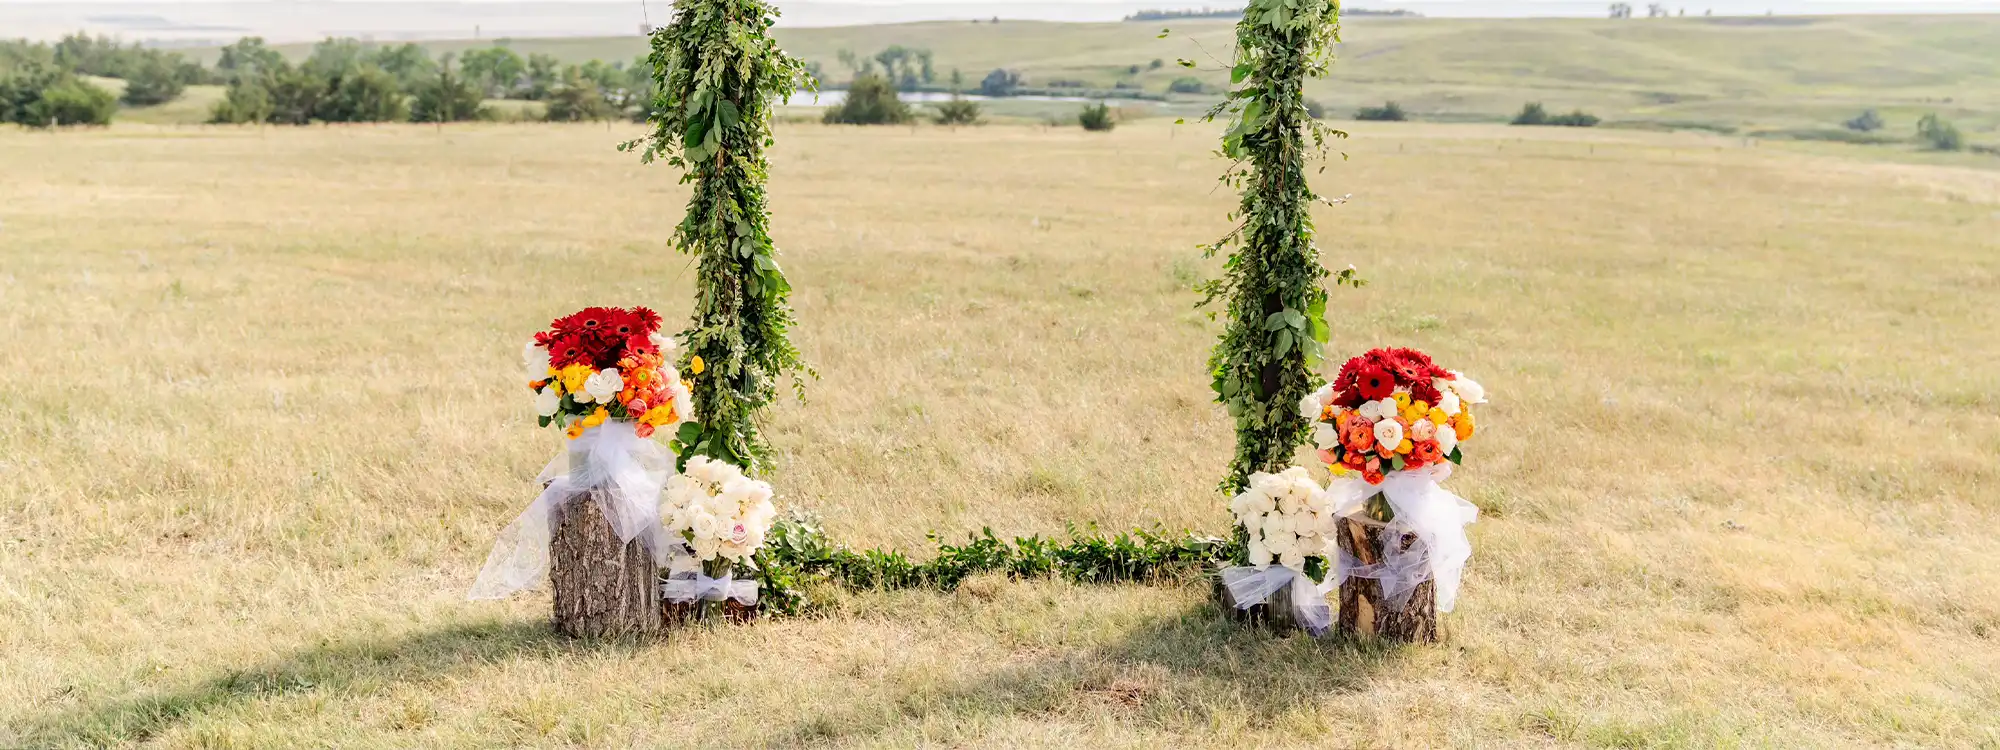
x=1362 y=613
x=1275 y=612
x=603 y=587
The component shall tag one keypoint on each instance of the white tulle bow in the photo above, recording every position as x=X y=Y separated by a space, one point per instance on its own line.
x=611 y=457
x=1423 y=508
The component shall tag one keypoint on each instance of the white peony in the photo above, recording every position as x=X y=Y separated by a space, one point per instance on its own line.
x=548 y=402
x=1471 y=392
x=1388 y=435
x=1325 y=437
x=536 y=360
x=604 y=384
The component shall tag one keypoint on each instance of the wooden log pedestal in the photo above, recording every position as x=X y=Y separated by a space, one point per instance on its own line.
x=1361 y=611
x=1274 y=613
x=603 y=587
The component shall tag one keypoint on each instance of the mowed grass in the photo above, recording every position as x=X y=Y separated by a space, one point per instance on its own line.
x=264 y=421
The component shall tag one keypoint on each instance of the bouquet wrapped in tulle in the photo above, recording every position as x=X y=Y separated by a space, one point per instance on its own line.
x=1391 y=410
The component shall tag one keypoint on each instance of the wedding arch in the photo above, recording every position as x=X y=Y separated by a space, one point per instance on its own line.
x=603 y=376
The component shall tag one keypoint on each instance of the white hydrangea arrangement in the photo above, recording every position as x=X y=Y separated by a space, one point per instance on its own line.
x=721 y=514
x=1288 y=516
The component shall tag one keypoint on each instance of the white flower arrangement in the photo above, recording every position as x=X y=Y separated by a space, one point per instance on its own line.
x=1288 y=516
x=721 y=514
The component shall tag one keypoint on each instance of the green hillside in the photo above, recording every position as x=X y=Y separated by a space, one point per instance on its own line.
x=1731 y=72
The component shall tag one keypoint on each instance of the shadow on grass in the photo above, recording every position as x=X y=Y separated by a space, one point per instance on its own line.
x=1192 y=669
x=358 y=663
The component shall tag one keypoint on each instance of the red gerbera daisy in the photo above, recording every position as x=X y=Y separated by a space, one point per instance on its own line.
x=1425 y=392
x=649 y=321
x=1375 y=383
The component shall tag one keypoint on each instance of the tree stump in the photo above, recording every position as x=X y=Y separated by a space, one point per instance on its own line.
x=1275 y=612
x=1362 y=612
x=603 y=586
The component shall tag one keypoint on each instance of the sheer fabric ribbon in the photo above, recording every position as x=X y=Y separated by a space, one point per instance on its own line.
x=611 y=457
x=685 y=588
x=1249 y=587
x=1422 y=508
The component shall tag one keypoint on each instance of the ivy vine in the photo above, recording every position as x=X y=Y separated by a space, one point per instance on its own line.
x=1276 y=328
x=718 y=71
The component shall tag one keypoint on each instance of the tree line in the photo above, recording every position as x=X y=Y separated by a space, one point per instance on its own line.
x=340 y=80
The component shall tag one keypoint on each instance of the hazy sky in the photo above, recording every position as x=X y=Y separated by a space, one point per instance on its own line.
x=201 y=21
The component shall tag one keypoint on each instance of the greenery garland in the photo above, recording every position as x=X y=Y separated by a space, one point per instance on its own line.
x=718 y=72
x=1276 y=329
x=798 y=555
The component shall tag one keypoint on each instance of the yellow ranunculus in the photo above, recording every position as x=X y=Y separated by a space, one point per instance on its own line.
x=1402 y=399
x=573 y=377
x=695 y=365
x=1437 y=415
x=596 y=418
x=1406 y=447
x=1338 y=470
x=575 y=430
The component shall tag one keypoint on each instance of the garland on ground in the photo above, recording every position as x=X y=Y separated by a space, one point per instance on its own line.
x=798 y=554
x=1276 y=329
x=719 y=71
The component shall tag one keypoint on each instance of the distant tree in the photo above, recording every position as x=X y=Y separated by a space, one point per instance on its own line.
x=1575 y=119
x=449 y=97
x=1941 y=135
x=295 y=96
x=1000 y=82
x=926 y=68
x=1097 y=118
x=495 y=71
x=365 y=94
x=42 y=95
x=154 y=81
x=871 y=100
x=1531 y=113
x=957 y=81
x=246 y=101
x=1156 y=64
x=1867 y=122
x=1315 y=109
x=958 y=112
x=1621 y=10
x=332 y=58
x=1388 y=112
x=410 y=63
x=1656 y=10
x=1186 y=85
x=248 y=56
x=578 y=99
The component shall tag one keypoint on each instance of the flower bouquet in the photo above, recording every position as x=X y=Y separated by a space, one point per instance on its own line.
x=601 y=376
x=721 y=516
x=1287 y=519
x=1390 y=427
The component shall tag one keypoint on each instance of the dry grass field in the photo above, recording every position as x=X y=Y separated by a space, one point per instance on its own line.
x=262 y=422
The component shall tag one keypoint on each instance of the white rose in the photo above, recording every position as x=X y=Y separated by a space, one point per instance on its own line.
x=604 y=384
x=1447 y=440
x=1388 y=434
x=536 y=360
x=683 y=400
x=1309 y=407
x=1288 y=502
x=705 y=548
x=1277 y=525
x=664 y=343
x=548 y=402
x=1318 y=502
x=705 y=525
x=1260 y=556
x=1267 y=483
x=1448 y=402
x=1294 y=560
x=732 y=551
x=1245 y=503
x=1281 y=544
x=1325 y=437
x=1470 y=391
x=1265 y=503
x=1388 y=407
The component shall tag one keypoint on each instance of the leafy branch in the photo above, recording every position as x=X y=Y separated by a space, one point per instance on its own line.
x=718 y=72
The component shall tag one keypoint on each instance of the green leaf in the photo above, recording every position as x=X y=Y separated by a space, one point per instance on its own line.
x=1284 y=345
x=1456 y=456
x=1397 y=462
x=726 y=113
x=1275 y=321
x=1240 y=72
x=688 y=433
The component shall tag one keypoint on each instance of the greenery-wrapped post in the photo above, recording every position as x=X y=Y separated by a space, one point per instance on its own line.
x=718 y=72
x=1272 y=281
